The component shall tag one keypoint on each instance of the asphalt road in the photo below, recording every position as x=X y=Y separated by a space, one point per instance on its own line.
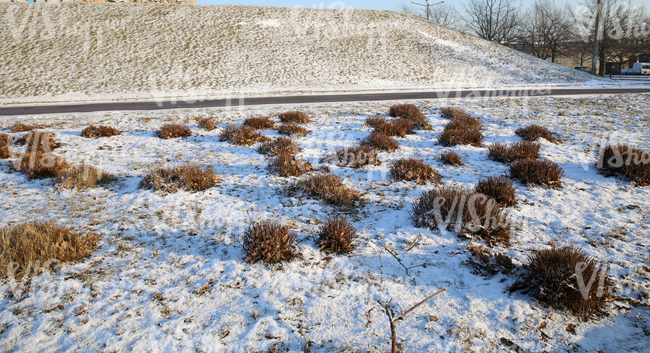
x=306 y=99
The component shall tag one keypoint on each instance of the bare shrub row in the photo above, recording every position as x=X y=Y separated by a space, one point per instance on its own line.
x=626 y=161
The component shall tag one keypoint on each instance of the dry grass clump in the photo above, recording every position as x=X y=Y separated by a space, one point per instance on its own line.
x=207 y=124
x=84 y=177
x=5 y=143
x=292 y=129
x=463 y=210
x=279 y=145
x=294 y=117
x=533 y=132
x=259 y=123
x=355 y=157
x=399 y=127
x=413 y=169
x=505 y=153
x=627 y=161
x=461 y=137
x=99 y=131
x=28 y=248
x=269 y=242
x=411 y=112
x=500 y=189
x=451 y=158
x=189 y=177
x=241 y=135
x=562 y=278
x=329 y=188
x=452 y=112
x=37 y=164
x=536 y=172
x=376 y=121
x=464 y=123
x=488 y=263
x=19 y=127
x=169 y=131
x=380 y=141
x=337 y=236
x=286 y=164
x=39 y=141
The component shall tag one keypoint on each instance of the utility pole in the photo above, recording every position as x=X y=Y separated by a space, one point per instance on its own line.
x=594 y=60
x=427 y=6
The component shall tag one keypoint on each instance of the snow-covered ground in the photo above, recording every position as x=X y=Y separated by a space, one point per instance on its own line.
x=170 y=273
x=72 y=51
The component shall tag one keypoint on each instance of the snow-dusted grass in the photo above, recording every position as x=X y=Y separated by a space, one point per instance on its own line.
x=171 y=275
x=102 y=51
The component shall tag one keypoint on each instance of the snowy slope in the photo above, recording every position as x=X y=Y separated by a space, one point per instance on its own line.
x=139 y=50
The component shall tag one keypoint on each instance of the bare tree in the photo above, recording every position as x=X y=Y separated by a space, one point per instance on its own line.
x=547 y=30
x=445 y=15
x=410 y=8
x=494 y=20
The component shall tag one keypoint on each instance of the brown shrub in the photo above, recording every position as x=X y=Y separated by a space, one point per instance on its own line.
x=533 y=132
x=169 y=131
x=18 y=127
x=462 y=210
x=487 y=263
x=259 y=123
x=281 y=144
x=241 y=135
x=6 y=142
x=452 y=158
x=269 y=242
x=400 y=127
x=294 y=117
x=461 y=137
x=627 y=161
x=337 y=236
x=505 y=153
x=554 y=277
x=292 y=129
x=189 y=177
x=286 y=164
x=85 y=177
x=536 y=172
x=329 y=188
x=355 y=157
x=99 y=131
x=207 y=124
x=413 y=169
x=39 y=141
x=25 y=246
x=452 y=112
x=464 y=123
x=411 y=112
x=380 y=141
x=38 y=164
x=376 y=121
x=501 y=189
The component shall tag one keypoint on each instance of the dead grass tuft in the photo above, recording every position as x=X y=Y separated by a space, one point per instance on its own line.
x=38 y=164
x=505 y=153
x=533 y=132
x=33 y=247
x=39 y=141
x=376 y=121
x=536 y=172
x=99 y=131
x=380 y=141
x=207 y=124
x=292 y=129
x=286 y=164
x=400 y=127
x=241 y=135
x=411 y=112
x=188 y=177
x=554 y=277
x=413 y=169
x=84 y=177
x=452 y=112
x=269 y=242
x=451 y=158
x=259 y=123
x=463 y=210
x=499 y=188
x=487 y=263
x=461 y=137
x=169 y=131
x=329 y=188
x=464 y=123
x=626 y=161
x=337 y=236
x=18 y=127
x=294 y=117
x=279 y=145
x=354 y=157
x=6 y=141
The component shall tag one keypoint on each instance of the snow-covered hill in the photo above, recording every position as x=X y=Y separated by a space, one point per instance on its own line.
x=138 y=50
